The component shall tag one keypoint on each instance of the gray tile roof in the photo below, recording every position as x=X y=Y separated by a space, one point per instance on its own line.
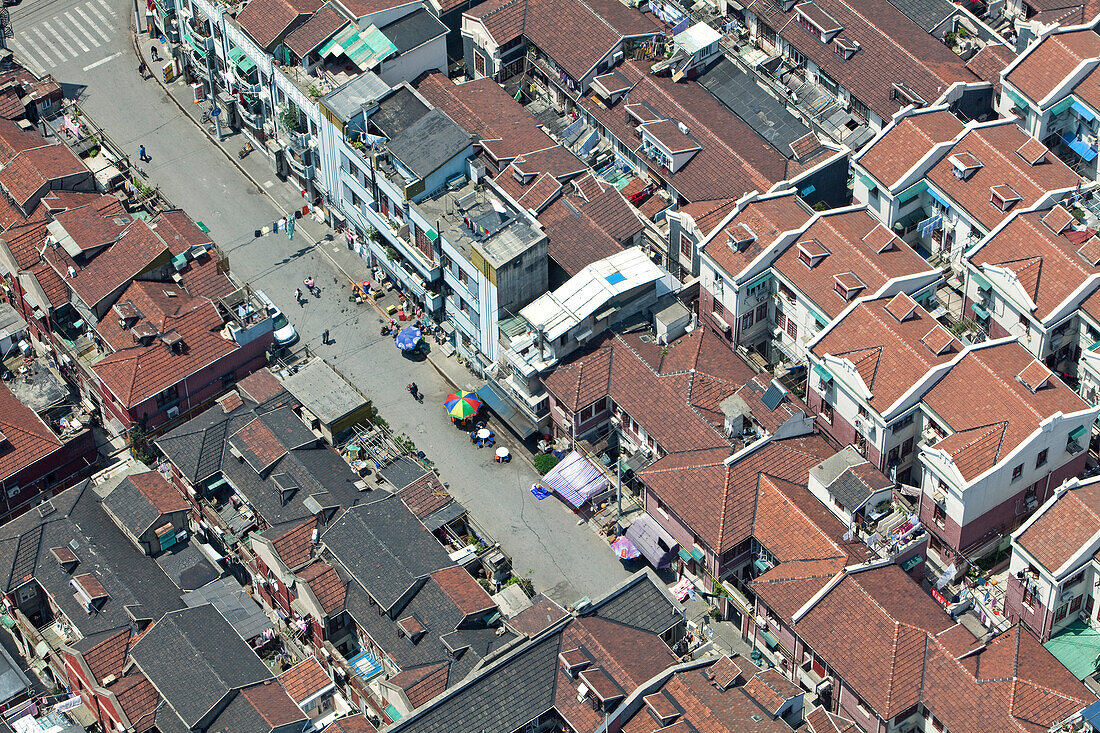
x=850 y=490
x=398 y=111
x=403 y=472
x=195 y=660
x=414 y=29
x=131 y=507
x=132 y=580
x=188 y=568
x=385 y=548
x=427 y=144
x=642 y=602
x=519 y=689
x=234 y=604
x=349 y=100
x=12 y=679
x=199 y=449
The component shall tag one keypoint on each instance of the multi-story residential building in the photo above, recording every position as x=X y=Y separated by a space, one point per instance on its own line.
x=774 y=273
x=622 y=288
x=918 y=668
x=943 y=185
x=1050 y=90
x=868 y=57
x=1053 y=571
x=985 y=430
x=1036 y=278
x=34 y=459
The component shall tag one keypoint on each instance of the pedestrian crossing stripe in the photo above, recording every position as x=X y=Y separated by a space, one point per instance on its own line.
x=73 y=33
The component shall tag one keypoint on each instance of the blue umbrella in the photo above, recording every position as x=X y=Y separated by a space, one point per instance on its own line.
x=407 y=338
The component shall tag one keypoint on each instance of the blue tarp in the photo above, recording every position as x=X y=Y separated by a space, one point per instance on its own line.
x=575 y=479
x=1079 y=146
x=1082 y=111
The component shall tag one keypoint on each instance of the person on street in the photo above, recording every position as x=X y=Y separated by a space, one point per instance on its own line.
x=141 y=154
x=153 y=53
x=298 y=295
x=141 y=69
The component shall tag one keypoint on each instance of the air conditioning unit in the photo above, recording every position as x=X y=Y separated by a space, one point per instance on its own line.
x=173 y=412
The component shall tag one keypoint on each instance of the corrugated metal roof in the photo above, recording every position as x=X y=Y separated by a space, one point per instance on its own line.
x=365 y=50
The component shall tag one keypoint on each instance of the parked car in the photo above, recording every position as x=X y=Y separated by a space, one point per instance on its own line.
x=284 y=332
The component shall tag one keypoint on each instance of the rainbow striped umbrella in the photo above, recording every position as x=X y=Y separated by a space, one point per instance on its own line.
x=462 y=404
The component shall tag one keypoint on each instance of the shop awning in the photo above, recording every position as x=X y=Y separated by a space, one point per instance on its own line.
x=244 y=64
x=491 y=395
x=1082 y=111
x=1079 y=146
x=575 y=479
x=1078 y=432
x=365 y=50
x=651 y=539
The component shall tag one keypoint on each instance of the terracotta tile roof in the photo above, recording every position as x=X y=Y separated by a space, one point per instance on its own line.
x=575 y=240
x=892 y=49
x=421 y=684
x=890 y=355
x=266 y=21
x=63 y=200
x=709 y=214
x=1064 y=527
x=52 y=285
x=611 y=213
x=90 y=230
x=734 y=158
x=425 y=495
x=718 y=501
x=273 y=705
x=320 y=27
x=540 y=193
x=32 y=169
x=465 y=592
x=138 y=699
x=483 y=108
x=541 y=615
x=727 y=670
x=353 y=724
x=137 y=249
x=557 y=27
x=821 y=720
x=326 y=585
x=164 y=497
x=108 y=656
x=618 y=367
x=26 y=438
x=26 y=238
x=11 y=108
x=995 y=146
x=980 y=392
x=503 y=19
x=849 y=261
x=818 y=534
x=759 y=222
x=990 y=61
x=905 y=142
x=771 y=689
x=1044 y=67
x=14 y=139
x=1048 y=266
x=295 y=546
x=136 y=373
x=260 y=386
x=256 y=439
x=304 y=680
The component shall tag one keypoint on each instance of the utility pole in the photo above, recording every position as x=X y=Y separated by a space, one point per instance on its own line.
x=215 y=110
x=619 y=494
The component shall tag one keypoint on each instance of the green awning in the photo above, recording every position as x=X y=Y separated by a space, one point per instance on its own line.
x=432 y=235
x=1075 y=434
x=7 y=620
x=203 y=227
x=196 y=47
x=392 y=714
x=979 y=311
x=761 y=565
x=365 y=50
x=912 y=562
x=242 y=62
x=760 y=280
x=823 y=373
x=770 y=640
x=697 y=554
x=685 y=555
x=1075 y=647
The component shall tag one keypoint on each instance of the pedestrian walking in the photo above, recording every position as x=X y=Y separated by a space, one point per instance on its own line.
x=141 y=154
x=324 y=337
x=153 y=53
